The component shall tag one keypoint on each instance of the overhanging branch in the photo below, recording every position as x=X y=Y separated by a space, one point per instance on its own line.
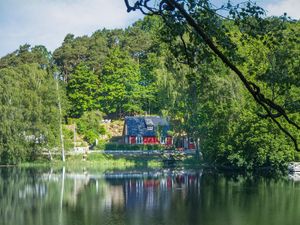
x=254 y=90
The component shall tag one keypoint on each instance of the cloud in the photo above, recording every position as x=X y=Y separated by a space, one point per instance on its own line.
x=278 y=8
x=47 y=22
x=273 y=7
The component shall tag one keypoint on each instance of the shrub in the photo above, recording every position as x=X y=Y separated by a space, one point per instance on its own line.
x=68 y=138
x=89 y=125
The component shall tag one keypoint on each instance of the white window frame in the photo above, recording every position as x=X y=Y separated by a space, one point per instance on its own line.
x=139 y=139
x=163 y=140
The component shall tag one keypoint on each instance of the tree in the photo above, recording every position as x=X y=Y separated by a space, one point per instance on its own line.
x=27 y=55
x=29 y=115
x=121 y=90
x=90 y=126
x=182 y=14
x=193 y=48
x=73 y=52
x=83 y=91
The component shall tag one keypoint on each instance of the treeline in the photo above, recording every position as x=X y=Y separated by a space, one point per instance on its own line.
x=162 y=67
x=112 y=71
x=29 y=116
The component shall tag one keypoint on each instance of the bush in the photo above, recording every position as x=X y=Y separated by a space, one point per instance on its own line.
x=255 y=144
x=68 y=138
x=89 y=125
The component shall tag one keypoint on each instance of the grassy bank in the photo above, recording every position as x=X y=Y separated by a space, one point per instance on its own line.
x=97 y=161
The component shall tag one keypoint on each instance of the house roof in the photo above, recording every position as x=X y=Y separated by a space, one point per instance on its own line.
x=141 y=125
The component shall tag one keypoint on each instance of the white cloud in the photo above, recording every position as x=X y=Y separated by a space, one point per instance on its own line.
x=47 y=22
x=278 y=8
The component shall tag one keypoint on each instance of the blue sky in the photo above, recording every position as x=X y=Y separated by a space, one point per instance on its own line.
x=46 y=22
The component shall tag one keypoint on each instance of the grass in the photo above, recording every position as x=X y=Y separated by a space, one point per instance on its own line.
x=102 y=162
x=97 y=161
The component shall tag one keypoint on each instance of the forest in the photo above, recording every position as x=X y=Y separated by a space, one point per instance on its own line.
x=159 y=66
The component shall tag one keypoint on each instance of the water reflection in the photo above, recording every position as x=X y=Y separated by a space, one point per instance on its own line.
x=43 y=196
x=147 y=191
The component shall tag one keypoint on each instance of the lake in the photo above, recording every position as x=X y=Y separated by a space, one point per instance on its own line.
x=43 y=196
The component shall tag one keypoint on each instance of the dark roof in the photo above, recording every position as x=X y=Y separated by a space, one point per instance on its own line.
x=137 y=125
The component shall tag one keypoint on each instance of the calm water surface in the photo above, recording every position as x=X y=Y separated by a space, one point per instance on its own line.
x=145 y=197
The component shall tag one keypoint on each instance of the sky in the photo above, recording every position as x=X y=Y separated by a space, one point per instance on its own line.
x=46 y=22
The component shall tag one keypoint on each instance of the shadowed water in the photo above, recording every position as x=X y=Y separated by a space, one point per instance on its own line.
x=145 y=197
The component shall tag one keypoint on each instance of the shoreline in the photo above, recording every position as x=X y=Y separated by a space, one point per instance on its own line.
x=104 y=161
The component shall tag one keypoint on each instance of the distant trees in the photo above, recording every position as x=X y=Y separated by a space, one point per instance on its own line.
x=83 y=91
x=28 y=112
x=110 y=71
x=27 y=55
x=121 y=88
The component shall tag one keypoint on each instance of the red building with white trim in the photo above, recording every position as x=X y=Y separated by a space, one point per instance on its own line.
x=147 y=130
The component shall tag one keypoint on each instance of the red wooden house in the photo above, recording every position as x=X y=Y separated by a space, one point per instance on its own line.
x=147 y=130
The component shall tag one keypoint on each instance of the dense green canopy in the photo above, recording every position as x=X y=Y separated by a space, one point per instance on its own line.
x=161 y=66
x=28 y=112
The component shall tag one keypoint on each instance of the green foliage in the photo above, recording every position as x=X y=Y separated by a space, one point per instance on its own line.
x=68 y=136
x=117 y=58
x=27 y=55
x=255 y=143
x=211 y=104
x=83 y=91
x=29 y=115
x=90 y=126
x=161 y=67
x=121 y=91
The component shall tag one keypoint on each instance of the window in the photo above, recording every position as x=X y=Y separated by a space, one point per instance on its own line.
x=149 y=127
x=163 y=140
x=139 y=140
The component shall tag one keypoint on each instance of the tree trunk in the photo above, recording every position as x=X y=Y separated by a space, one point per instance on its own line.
x=60 y=124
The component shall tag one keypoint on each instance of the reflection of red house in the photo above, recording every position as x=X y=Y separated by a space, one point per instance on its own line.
x=151 y=183
x=146 y=130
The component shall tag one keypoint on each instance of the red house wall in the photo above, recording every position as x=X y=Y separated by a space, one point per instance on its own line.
x=132 y=140
x=150 y=140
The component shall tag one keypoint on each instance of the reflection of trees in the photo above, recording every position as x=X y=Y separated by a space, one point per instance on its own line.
x=42 y=197
x=257 y=200
x=139 y=197
x=23 y=197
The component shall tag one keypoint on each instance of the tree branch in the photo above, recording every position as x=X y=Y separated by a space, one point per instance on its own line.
x=254 y=90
